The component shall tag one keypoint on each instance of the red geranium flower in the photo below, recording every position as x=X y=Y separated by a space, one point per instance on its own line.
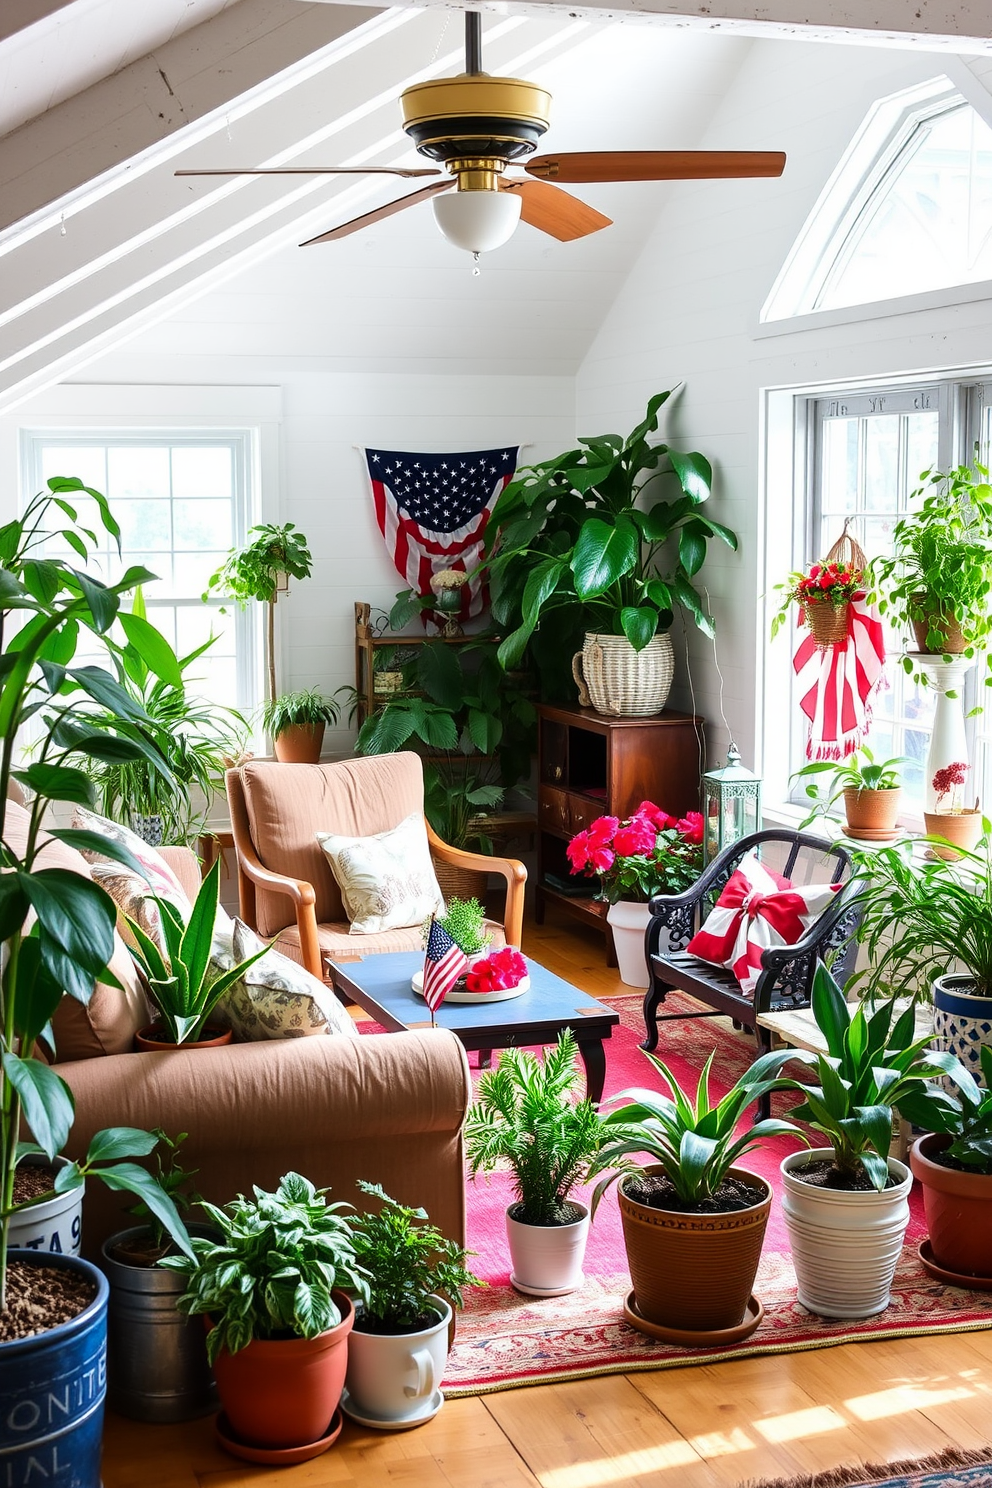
x=655 y=815
x=639 y=836
x=690 y=826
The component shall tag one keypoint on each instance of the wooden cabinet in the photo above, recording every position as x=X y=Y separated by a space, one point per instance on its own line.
x=590 y=766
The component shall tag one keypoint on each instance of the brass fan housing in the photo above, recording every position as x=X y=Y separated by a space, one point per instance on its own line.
x=474 y=115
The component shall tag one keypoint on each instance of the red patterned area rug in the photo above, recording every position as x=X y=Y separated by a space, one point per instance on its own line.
x=504 y=1339
x=950 y=1469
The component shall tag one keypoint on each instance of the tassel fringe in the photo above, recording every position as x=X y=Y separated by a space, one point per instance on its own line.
x=878 y=1472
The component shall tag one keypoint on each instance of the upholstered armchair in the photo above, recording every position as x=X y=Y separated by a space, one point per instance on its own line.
x=286 y=889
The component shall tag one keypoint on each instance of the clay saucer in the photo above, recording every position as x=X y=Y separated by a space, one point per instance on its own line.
x=693 y=1338
x=276 y=1456
x=871 y=834
x=950 y=1278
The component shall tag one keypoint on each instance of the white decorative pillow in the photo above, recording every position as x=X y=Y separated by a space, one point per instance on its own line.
x=133 y=893
x=277 y=998
x=386 y=881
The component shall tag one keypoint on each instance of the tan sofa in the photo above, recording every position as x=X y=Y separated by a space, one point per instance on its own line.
x=385 y=1108
x=286 y=888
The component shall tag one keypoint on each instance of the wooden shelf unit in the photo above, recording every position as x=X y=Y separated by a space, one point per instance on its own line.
x=366 y=645
x=590 y=766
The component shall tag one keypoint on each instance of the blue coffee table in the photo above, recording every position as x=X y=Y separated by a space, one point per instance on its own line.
x=381 y=986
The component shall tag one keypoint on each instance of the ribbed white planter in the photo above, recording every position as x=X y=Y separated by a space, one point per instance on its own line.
x=547 y=1259
x=845 y=1246
x=55 y=1226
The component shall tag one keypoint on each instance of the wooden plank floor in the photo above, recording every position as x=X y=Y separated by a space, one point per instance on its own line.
x=709 y=1426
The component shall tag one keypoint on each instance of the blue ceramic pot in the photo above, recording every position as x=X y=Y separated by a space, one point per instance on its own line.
x=52 y=1389
x=962 y=1021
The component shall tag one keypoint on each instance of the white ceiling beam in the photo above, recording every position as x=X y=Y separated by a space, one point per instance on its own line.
x=18 y=15
x=183 y=81
x=924 y=25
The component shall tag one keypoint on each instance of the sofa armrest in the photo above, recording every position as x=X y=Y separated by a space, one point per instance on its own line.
x=386 y=1108
x=186 y=866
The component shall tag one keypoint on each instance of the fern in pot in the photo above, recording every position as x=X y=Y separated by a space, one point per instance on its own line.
x=398 y=1348
x=527 y=1117
x=296 y=722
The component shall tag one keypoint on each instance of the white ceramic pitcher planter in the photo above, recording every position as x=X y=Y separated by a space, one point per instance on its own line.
x=845 y=1245
x=546 y=1260
x=394 y=1379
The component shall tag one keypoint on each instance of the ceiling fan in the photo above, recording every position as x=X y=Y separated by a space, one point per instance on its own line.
x=475 y=126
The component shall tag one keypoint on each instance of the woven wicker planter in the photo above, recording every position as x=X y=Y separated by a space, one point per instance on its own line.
x=828 y=622
x=461 y=883
x=620 y=682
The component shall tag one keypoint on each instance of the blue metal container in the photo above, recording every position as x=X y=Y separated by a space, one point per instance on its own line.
x=52 y=1390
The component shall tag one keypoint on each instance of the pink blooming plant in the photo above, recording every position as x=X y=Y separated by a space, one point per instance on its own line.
x=649 y=853
x=948 y=782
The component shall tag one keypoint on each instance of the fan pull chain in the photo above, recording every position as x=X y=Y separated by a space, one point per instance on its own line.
x=476 y=271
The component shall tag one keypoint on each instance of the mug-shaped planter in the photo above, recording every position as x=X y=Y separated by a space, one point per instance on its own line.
x=394 y=1379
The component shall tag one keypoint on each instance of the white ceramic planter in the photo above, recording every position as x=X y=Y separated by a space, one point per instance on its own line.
x=845 y=1246
x=394 y=1379
x=628 y=922
x=948 y=736
x=546 y=1260
x=55 y=1226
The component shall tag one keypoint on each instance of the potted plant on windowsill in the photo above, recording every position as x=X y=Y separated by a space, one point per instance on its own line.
x=258 y=571
x=526 y=1115
x=649 y=853
x=693 y=1222
x=846 y=1205
x=184 y=982
x=53 y=1306
x=398 y=1347
x=871 y=790
x=296 y=723
x=953 y=1165
x=956 y=824
x=274 y=1292
x=581 y=539
x=943 y=915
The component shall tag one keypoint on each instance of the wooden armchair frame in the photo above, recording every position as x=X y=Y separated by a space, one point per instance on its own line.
x=253 y=874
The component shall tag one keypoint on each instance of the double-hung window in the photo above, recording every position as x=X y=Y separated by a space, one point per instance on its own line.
x=182 y=501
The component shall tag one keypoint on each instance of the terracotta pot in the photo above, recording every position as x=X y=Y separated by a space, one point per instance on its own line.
x=959 y=828
x=954 y=641
x=282 y=1392
x=149 y=1041
x=958 y=1209
x=872 y=810
x=693 y=1271
x=299 y=744
x=828 y=622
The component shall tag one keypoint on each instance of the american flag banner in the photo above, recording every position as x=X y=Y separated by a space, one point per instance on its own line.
x=444 y=963
x=432 y=511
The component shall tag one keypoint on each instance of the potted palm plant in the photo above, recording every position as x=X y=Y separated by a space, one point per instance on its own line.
x=401 y=1330
x=942 y=949
x=296 y=722
x=953 y=1165
x=584 y=536
x=871 y=790
x=845 y=1205
x=693 y=1222
x=271 y=556
x=526 y=1115
x=275 y=1292
x=53 y=1306
x=649 y=853
x=184 y=982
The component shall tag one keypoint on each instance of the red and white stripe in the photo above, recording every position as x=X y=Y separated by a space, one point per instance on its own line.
x=838 y=683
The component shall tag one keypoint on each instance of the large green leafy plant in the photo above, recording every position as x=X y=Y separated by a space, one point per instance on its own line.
x=940 y=572
x=407 y=1261
x=693 y=1141
x=526 y=1114
x=871 y=1065
x=593 y=536
x=255 y=571
x=275 y=1268
x=47 y=610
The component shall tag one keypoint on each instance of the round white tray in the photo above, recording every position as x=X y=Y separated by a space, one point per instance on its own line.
x=503 y=995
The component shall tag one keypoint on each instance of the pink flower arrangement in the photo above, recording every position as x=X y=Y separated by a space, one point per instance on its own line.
x=649 y=853
x=500 y=970
x=949 y=780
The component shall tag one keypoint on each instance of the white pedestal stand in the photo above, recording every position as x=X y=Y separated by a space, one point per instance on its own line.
x=948 y=741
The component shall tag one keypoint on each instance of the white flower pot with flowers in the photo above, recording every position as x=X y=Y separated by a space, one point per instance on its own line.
x=649 y=853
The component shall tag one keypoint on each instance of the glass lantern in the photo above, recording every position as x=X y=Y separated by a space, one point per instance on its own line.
x=731 y=805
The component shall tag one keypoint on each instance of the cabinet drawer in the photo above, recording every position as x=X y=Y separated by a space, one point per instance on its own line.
x=552 y=810
x=584 y=812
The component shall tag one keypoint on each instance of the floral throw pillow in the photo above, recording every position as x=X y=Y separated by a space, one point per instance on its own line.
x=386 y=881
x=277 y=998
x=133 y=893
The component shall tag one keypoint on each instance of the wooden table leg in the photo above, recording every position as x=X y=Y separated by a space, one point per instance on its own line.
x=593 y=1055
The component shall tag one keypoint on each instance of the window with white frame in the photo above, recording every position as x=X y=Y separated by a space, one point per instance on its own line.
x=908 y=209
x=182 y=501
x=864 y=452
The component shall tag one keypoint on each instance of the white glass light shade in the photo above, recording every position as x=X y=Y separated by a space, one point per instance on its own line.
x=477 y=221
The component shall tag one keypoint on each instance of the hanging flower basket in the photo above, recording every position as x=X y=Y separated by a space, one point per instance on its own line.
x=824 y=594
x=828 y=621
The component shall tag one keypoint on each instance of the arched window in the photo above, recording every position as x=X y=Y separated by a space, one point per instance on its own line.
x=908 y=209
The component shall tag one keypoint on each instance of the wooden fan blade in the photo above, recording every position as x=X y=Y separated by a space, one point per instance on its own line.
x=389 y=210
x=556 y=212
x=656 y=165
x=316 y=170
